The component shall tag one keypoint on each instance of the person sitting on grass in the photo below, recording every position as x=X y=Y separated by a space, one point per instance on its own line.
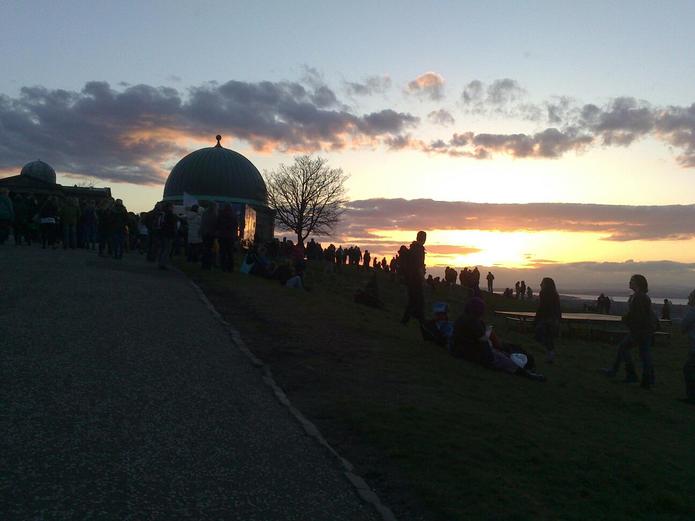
x=688 y=327
x=369 y=296
x=472 y=340
x=439 y=328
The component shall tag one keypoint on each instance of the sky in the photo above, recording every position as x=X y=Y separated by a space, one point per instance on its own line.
x=538 y=136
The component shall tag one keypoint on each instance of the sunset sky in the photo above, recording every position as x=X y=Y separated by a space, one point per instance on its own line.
x=448 y=116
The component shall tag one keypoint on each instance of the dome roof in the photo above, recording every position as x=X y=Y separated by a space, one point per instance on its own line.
x=219 y=174
x=39 y=170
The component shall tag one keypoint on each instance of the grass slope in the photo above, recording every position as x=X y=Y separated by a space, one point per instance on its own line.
x=443 y=439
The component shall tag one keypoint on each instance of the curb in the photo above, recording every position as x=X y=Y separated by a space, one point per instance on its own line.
x=359 y=484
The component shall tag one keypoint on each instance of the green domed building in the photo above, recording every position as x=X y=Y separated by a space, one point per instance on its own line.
x=38 y=179
x=224 y=176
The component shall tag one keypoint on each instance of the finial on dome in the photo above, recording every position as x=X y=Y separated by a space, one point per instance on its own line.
x=218 y=138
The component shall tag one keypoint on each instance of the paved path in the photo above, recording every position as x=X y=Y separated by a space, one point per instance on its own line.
x=122 y=398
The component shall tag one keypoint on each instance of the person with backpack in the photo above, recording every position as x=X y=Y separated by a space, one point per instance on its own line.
x=412 y=266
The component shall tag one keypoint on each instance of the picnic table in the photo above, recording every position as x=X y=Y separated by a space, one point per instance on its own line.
x=597 y=324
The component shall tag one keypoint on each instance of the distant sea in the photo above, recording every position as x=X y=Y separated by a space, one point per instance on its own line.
x=655 y=300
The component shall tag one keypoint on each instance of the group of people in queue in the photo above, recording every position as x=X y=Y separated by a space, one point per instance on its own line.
x=74 y=223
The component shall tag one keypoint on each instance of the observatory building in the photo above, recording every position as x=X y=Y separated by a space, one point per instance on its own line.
x=39 y=179
x=224 y=176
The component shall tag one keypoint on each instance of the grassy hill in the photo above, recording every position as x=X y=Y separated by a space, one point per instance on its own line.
x=439 y=438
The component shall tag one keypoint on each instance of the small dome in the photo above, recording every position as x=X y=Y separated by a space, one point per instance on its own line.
x=216 y=173
x=39 y=170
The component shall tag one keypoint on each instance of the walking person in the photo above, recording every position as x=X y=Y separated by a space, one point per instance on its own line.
x=413 y=276
x=641 y=322
x=688 y=327
x=548 y=316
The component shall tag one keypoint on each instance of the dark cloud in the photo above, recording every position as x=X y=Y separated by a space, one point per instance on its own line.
x=549 y=143
x=371 y=85
x=441 y=117
x=621 y=122
x=499 y=97
x=130 y=134
x=617 y=222
x=429 y=85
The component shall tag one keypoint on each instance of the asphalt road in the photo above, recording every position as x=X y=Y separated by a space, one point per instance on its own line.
x=121 y=397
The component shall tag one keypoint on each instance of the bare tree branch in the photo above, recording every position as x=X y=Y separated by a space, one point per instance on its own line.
x=308 y=196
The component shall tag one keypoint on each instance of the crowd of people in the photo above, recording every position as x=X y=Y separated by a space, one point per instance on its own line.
x=208 y=235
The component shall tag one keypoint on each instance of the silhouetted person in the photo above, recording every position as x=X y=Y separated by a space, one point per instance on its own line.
x=522 y=289
x=7 y=215
x=365 y=259
x=688 y=328
x=475 y=278
x=517 y=289
x=666 y=310
x=48 y=216
x=167 y=234
x=641 y=323
x=227 y=231
x=548 y=315
x=414 y=277
x=490 y=277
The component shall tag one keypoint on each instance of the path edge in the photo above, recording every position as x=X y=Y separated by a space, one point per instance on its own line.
x=359 y=484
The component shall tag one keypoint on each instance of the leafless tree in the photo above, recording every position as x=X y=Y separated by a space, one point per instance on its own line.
x=308 y=196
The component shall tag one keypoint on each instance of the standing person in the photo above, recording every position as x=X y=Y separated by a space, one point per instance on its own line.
x=119 y=221
x=365 y=259
x=167 y=234
x=194 y=239
x=6 y=215
x=104 y=224
x=48 y=217
x=143 y=233
x=69 y=217
x=641 y=323
x=522 y=289
x=153 y=221
x=21 y=220
x=227 y=232
x=208 y=224
x=688 y=327
x=666 y=310
x=89 y=220
x=414 y=274
x=548 y=315
x=490 y=277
